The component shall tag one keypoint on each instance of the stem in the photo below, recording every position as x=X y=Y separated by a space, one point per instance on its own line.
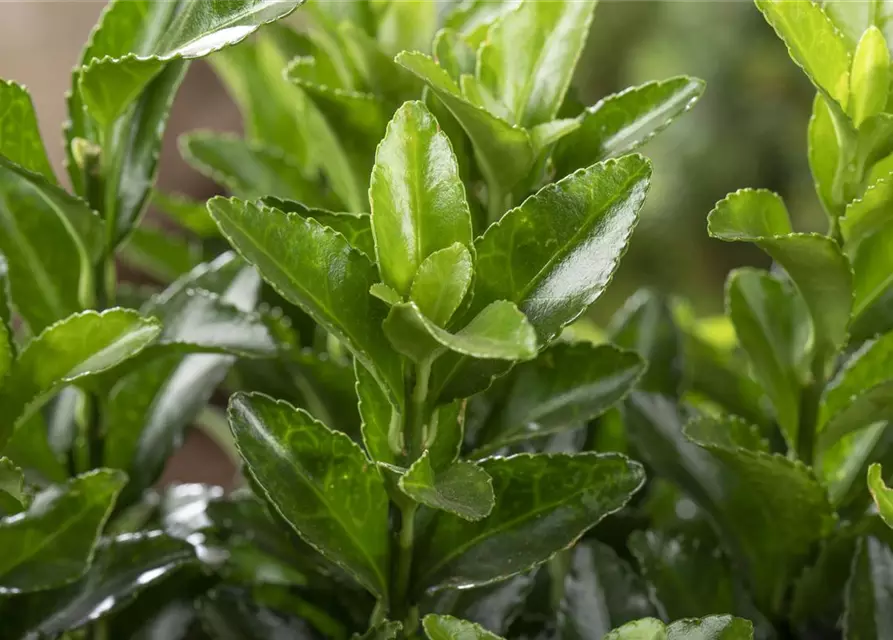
x=497 y=201
x=400 y=596
x=418 y=418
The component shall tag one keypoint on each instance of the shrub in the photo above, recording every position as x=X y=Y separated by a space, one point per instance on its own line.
x=434 y=438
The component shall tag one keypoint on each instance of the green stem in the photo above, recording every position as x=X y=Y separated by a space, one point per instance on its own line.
x=401 y=607
x=418 y=418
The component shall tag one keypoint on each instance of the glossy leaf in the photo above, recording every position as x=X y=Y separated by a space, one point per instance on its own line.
x=870 y=80
x=500 y=331
x=442 y=282
x=567 y=385
x=872 y=269
x=881 y=493
x=315 y=268
x=814 y=43
x=815 y=263
x=12 y=488
x=772 y=325
x=417 y=198
x=20 y=138
x=531 y=80
x=439 y=627
x=342 y=508
x=709 y=628
x=505 y=153
x=463 y=489
x=231 y=614
x=379 y=418
x=824 y=155
x=853 y=18
x=52 y=543
x=544 y=503
x=76 y=347
x=869 y=592
x=867 y=215
x=623 y=122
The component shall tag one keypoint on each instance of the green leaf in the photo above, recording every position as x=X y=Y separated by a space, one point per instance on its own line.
x=870 y=81
x=136 y=39
x=872 y=269
x=824 y=155
x=774 y=509
x=78 y=346
x=869 y=592
x=500 y=331
x=463 y=489
x=249 y=169
x=379 y=418
x=504 y=152
x=814 y=43
x=340 y=506
x=473 y=19
x=528 y=59
x=228 y=613
x=881 y=493
x=159 y=254
x=12 y=488
x=190 y=214
x=567 y=385
x=623 y=122
x=860 y=394
x=441 y=283
x=853 y=18
x=814 y=262
x=407 y=26
x=438 y=627
x=20 y=138
x=454 y=53
x=601 y=591
x=544 y=503
x=315 y=268
x=417 y=198
x=124 y=567
x=772 y=325
x=50 y=240
x=709 y=628
x=52 y=543
x=867 y=215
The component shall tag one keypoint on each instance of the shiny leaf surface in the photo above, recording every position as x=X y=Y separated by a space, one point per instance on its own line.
x=709 y=628
x=20 y=138
x=442 y=282
x=881 y=493
x=439 y=627
x=463 y=488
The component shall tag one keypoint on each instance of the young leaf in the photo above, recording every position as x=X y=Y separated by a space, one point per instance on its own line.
x=249 y=169
x=454 y=53
x=870 y=81
x=316 y=268
x=78 y=346
x=773 y=327
x=881 y=493
x=417 y=198
x=867 y=215
x=623 y=122
x=340 y=508
x=52 y=543
x=814 y=43
x=869 y=592
x=824 y=155
x=544 y=503
x=872 y=269
x=441 y=283
x=528 y=59
x=463 y=489
x=439 y=627
x=500 y=331
x=815 y=263
x=505 y=153
x=20 y=138
x=567 y=385
x=709 y=628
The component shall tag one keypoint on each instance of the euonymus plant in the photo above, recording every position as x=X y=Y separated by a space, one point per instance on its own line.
x=435 y=441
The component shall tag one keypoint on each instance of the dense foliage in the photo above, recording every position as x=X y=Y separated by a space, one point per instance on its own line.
x=435 y=440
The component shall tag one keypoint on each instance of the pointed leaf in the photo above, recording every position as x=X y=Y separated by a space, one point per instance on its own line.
x=315 y=268
x=881 y=493
x=814 y=262
x=20 y=138
x=772 y=325
x=824 y=155
x=52 y=543
x=418 y=200
x=499 y=332
x=709 y=628
x=340 y=506
x=76 y=347
x=505 y=153
x=813 y=42
x=441 y=283
x=567 y=385
x=379 y=418
x=12 y=488
x=872 y=269
x=623 y=122
x=867 y=215
x=869 y=592
x=544 y=503
x=463 y=489
x=532 y=79
x=439 y=627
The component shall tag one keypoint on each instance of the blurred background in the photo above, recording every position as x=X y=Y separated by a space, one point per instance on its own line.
x=749 y=130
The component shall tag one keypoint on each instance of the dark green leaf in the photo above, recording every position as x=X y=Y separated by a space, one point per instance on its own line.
x=379 y=417
x=52 y=543
x=869 y=592
x=622 y=122
x=78 y=346
x=814 y=262
x=772 y=325
x=341 y=507
x=19 y=134
x=709 y=628
x=449 y=628
x=158 y=254
x=544 y=503
x=441 y=283
x=12 y=488
x=228 y=614
x=418 y=200
x=463 y=488
x=316 y=268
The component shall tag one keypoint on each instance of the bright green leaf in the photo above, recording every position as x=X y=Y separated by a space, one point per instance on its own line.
x=870 y=79
x=20 y=138
x=824 y=155
x=867 y=215
x=454 y=53
x=320 y=482
x=439 y=627
x=441 y=283
x=882 y=494
x=463 y=489
x=709 y=628
x=872 y=269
